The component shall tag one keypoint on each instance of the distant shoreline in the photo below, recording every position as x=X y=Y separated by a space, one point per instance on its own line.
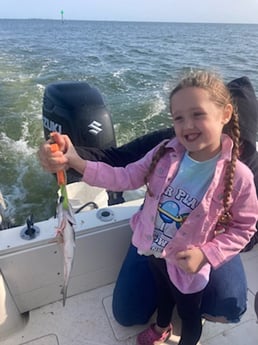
x=125 y=21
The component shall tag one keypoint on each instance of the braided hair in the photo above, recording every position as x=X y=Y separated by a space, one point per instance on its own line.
x=162 y=150
x=233 y=130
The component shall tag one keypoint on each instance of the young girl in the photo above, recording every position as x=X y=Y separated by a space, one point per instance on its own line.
x=200 y=208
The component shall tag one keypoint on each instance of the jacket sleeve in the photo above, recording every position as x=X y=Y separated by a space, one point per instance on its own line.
x=239 y=231
x=122 y=155
x=118 y=178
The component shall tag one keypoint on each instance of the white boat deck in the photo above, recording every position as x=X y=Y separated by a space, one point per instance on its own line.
x=87 y=320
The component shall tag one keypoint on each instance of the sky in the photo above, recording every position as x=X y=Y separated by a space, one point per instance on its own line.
x=211 y=11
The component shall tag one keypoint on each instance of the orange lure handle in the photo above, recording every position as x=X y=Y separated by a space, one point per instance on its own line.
x=61 y=175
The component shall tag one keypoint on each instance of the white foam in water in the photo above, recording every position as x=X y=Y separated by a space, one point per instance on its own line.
x=19 y=146
x=119 y=74
x=19 y=152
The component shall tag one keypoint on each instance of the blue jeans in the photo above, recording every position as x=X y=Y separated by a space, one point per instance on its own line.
x=134 y=297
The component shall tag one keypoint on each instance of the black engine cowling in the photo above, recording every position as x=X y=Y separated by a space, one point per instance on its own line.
x=78 y=110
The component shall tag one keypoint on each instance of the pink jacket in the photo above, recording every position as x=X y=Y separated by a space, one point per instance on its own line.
x=198 y=229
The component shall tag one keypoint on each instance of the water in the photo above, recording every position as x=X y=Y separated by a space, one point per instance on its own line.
x=134 y=65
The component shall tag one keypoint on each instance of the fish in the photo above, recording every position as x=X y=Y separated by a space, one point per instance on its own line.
x=65 y=234
x=256 y=305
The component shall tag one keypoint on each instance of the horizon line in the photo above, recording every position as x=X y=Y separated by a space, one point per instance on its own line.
x=133 y=21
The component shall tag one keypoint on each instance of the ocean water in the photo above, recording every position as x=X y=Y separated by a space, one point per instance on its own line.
x=134 y=66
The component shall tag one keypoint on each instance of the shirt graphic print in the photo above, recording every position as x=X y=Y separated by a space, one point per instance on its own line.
x=180 y=197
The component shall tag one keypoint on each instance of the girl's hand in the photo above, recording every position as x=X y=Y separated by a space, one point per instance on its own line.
x=53 y=161
x=191 y=260
x=63 y=159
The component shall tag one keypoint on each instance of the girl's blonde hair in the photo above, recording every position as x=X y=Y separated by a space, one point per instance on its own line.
x=220 y=95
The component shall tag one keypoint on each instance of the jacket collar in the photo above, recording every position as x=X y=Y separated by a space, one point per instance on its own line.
x=226 y=150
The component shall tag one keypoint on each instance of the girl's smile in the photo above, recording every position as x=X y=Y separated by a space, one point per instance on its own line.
x=192 y=136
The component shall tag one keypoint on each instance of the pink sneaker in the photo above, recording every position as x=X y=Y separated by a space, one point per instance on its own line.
x=151 y=337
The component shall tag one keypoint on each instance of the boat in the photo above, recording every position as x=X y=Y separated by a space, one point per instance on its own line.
x=31 y=308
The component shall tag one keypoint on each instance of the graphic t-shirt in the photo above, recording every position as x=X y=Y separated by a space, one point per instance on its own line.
x=180 y=197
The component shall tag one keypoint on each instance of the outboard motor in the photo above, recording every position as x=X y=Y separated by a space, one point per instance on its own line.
x=78 y=110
